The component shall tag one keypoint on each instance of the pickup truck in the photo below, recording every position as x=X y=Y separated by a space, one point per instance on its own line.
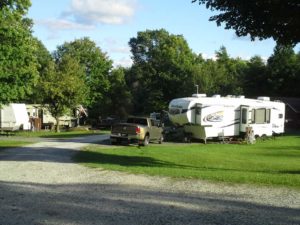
x=137 y=129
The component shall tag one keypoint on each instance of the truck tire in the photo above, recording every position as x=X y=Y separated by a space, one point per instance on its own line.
x=187 y=138
x=160 y=140
x=145 y=141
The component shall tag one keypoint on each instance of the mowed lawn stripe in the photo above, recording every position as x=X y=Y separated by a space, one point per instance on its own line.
x=269 y=162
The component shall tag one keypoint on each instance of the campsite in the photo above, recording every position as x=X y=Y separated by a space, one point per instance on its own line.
x=137 y=112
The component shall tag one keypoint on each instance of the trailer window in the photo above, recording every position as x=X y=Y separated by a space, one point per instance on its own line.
x=184 y=111
x=280 y=116
x=253 y=116
x=174 y=111
x=268 y=115
x=262 y=116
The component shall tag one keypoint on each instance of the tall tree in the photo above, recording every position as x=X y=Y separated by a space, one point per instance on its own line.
x=119 y=98
x=256 y=78
x=96 y=64
x=283 y=71
x=259 y=18
x=18 y=63
x=63 y=88
x=161 y=71
x=44 y=60
x=231 y=81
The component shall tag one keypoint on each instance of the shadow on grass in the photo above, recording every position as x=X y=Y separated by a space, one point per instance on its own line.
x=64 y=135
x=98 y=158
x=280 y=151
x=126 y=161
x=295 y=172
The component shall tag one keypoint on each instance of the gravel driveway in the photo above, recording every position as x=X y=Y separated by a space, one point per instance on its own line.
x=39 y=184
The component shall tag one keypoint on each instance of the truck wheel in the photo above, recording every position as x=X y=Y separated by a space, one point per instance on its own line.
x=187 y=138
x=160 y=140
x=146 y=140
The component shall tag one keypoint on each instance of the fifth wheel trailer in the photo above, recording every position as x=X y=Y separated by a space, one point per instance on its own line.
x=14 y=117
x=218 y=117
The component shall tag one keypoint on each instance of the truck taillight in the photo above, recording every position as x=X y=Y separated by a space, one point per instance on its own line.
x=137 y=130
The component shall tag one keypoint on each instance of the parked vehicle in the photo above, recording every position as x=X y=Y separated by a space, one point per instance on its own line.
x=218 y=117
x=137 y=129
x=47 y=120
x=108 y=122
x=14 y=117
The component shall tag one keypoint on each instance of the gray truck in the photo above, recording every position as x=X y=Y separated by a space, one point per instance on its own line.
x=139 y=130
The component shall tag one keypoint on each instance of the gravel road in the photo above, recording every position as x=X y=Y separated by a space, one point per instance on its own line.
x=39 y=185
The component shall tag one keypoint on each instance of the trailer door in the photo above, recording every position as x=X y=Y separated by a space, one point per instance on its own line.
x=198 y=108
x=244 y=118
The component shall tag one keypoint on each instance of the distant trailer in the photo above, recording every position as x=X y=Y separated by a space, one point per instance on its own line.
x=14 y=117
x=218 y=117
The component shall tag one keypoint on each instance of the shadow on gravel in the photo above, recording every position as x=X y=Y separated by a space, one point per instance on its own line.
x=47 y=154
x=55 y=150
x=30 y=203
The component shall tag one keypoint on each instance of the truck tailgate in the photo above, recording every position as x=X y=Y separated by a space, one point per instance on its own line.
x=125 y=128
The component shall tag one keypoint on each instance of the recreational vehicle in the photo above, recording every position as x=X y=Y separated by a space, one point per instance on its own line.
x=47 y=120
x=217 y=117
x=14 y=117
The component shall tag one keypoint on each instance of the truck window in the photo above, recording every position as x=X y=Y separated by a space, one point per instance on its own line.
x=137 y=121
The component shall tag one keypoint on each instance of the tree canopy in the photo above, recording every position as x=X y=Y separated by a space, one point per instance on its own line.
x=95 y=63
x=162 y=65
x=18 y=62
x=63 y=88
x=259 y=18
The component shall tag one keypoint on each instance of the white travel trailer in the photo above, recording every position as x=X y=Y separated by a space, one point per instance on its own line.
x=218 y=117
x=14 y=117
x=47 y=120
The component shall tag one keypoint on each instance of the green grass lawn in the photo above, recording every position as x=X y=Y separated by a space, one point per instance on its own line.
x=269 y=162
x=62 y=134
x=12 y=144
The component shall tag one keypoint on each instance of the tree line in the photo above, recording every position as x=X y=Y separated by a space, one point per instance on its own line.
x=164 y=67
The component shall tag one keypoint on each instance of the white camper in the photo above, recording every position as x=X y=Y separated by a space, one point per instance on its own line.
x=218 y=117
x=40 y=111
x=14 y=117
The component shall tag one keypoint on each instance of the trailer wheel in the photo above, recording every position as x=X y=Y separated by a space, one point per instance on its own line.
x=264 y=137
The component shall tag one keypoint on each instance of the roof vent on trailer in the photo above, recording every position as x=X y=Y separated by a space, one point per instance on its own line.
x=216 y=96
x=263 y=98
x=241 y=96
x=199 y=95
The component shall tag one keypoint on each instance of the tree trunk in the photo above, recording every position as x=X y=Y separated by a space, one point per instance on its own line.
x=57 y=125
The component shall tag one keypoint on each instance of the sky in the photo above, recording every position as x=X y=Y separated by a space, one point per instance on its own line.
x=111 y=24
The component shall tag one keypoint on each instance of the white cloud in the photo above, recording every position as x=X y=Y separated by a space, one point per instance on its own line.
x=102 y=11
x=62 y=24
x=115 y=46
x=209 y=56
x=122 y=50
x=124 y=62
